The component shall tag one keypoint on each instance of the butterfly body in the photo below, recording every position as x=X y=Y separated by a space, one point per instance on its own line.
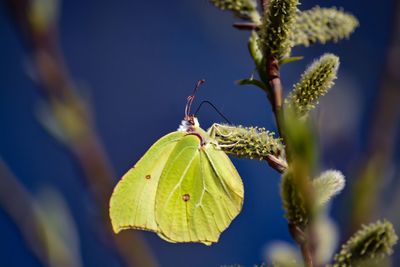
x=185 y=188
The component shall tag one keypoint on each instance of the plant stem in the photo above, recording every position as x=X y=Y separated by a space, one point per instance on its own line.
x=306 y=253
x=303 y=238
x=250 y=26
x=276 y=92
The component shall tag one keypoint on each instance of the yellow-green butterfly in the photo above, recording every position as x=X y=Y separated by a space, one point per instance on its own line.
x=185 y=188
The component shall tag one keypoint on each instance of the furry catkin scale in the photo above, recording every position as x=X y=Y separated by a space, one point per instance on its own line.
x=327 y=185
x=246 y=142
x=244 y=9
x=372 y=242
x=276 y=28
x=314 y=83
x=322 y=25
x=293 y=201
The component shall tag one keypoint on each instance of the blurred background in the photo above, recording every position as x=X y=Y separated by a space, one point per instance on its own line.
x=76 y=115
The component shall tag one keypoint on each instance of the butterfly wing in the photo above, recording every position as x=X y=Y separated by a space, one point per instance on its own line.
x=132 y=202
x=197 y=197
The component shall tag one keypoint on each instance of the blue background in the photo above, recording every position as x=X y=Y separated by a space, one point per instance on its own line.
x=137 y=61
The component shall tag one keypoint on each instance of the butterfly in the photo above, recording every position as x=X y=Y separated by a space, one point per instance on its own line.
x=184 y=188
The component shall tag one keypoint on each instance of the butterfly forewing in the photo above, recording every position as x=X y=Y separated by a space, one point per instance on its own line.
x=132 y=203
x=176 y=193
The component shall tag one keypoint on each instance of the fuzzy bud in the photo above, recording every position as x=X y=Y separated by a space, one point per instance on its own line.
x=276 y=28
x=327 y=185
x=43 y=14
x=322 y=25
x=246 y=142
x=294 y=202
x=244 y=9
x=314 y=83
x=373 y=242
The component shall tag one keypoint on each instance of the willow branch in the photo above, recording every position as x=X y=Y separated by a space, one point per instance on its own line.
x=276 y=92
x=303 y=238
x=248 y=26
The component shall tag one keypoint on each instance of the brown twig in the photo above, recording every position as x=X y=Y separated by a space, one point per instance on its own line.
x=82 y=139
x=248 y=26
x=276 y=92
x=300 y=237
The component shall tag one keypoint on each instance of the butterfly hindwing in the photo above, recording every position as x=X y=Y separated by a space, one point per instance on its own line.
x=196 y=199
x=229 y=185
x=132 y=203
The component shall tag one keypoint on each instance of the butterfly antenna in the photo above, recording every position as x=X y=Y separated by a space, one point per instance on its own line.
x=191 y=98
x=214 y=107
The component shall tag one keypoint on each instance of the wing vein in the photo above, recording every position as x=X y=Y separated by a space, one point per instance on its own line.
x=219 y=177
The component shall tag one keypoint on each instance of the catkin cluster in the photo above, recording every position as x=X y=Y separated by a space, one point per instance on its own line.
x=293 y=200
x=240 y=8
x=372 y=242
x=247 y=142
x=322 y=25
x=276 y=28
x=314 y=83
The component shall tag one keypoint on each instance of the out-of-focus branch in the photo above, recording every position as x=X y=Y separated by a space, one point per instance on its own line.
x=382 y=139
x=74 y=122
x=47 y=245
x=18 y=204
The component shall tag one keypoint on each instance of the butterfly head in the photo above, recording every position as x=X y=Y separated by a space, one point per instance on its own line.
x=193 y=121
x=188 y=124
